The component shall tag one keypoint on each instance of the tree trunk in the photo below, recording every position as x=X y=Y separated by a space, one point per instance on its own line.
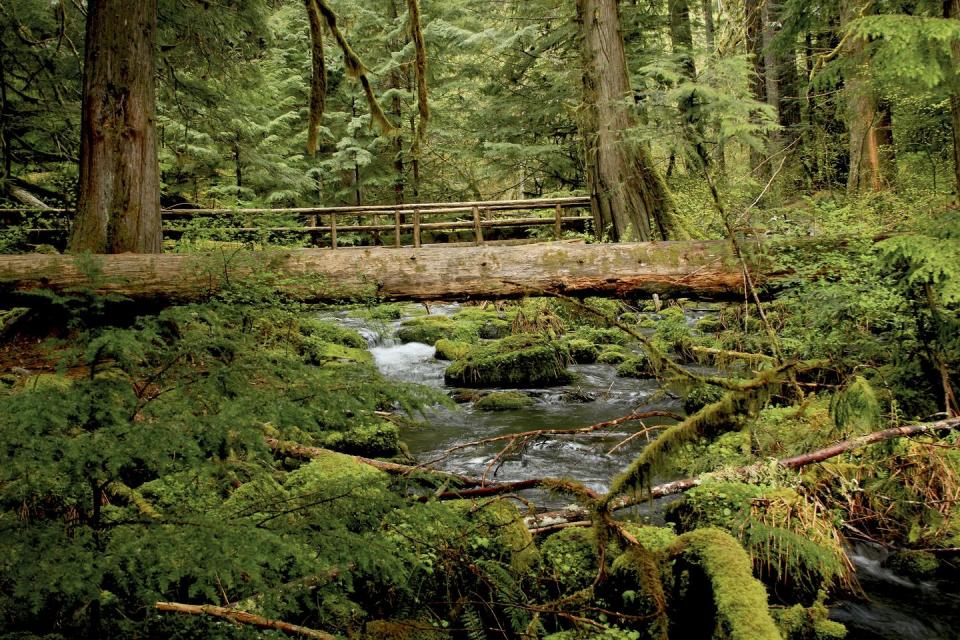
x=707 y=8
x=626 y=188
x=118 y=206
x=869 y=122
x=681 y=38
x=753 y=18
x=706 y=270
x=951 y=9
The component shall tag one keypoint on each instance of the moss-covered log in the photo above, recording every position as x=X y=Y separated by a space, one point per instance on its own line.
x=705 y=270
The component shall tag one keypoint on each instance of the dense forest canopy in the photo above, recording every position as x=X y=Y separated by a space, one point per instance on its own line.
x=752 y=433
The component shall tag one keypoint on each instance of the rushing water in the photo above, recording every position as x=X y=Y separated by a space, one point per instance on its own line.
x=893 y=608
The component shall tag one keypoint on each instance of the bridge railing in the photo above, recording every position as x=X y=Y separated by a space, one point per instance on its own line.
x=324 y=224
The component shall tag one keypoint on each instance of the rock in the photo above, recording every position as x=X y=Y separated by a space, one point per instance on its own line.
x=523 y=360
x=612 y=355
x=503 y=401
x=451 y=349
x=638 y=366
x=582 y=351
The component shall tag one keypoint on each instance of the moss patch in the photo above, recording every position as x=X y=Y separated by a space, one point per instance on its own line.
x=583 y=352
x=503 y=401
x=518 y=361
x=372 y=440
x=638 y=366
x=613 y=355
x=451 y=349
x=699 y=396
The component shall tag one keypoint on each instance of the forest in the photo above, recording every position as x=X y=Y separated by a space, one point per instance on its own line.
x=465 y=320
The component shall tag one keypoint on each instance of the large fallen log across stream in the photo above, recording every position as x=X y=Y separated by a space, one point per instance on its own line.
x=701 y=269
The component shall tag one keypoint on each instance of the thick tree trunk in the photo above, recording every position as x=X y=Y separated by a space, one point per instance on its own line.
x=753 y=18
x=118 y=206
x=707 y=8
x=681 y=38
x=693 y=269
x=870 y=126
x=871 y=140
x=951 y=9
x=627 y=190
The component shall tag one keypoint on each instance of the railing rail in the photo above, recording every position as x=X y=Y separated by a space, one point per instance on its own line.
x=329 y=221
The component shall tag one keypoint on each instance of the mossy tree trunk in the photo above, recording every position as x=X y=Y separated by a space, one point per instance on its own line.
x=118 y=205
x=753 y=20
x=629 y=196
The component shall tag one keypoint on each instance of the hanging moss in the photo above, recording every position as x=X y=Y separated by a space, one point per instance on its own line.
x=518 y=361
x=355 y=68
x=739 y=599
x=855 y=409
x=318 y=77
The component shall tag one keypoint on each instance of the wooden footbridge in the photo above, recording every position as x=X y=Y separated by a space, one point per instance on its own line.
x=434 y=251
x=447 y=223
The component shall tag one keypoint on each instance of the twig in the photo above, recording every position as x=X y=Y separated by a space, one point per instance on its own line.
x=242 y=617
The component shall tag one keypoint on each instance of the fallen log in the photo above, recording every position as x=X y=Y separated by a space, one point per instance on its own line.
x=575 y=514
x=702 y=269
x=243 y=617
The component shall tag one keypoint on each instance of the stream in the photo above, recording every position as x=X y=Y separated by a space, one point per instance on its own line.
x=894 y=607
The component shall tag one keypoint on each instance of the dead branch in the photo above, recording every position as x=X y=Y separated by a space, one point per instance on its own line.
x=242 y=617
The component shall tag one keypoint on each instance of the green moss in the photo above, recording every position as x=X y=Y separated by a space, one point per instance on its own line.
x=739 y=599
x=503 y=401
x=613 y=355
x=583 y=352
x=500 y=522
x=44 y=381
x=709 y=324
x=317 y=351
x=460 y=328
x=699 y=396
x=451 y=349
x=638 y=366
x=385 y=312
x=673 y=333
x=600 y=336
x=330 y=332
x=655 y=539
x=518 y=361
x=372 y=440
x=808 y=623
x=917 y=565
x=569 y=558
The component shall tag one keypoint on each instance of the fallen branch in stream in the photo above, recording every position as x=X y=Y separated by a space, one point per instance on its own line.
x=573 y=516
x=243 y=617
x=516 y=441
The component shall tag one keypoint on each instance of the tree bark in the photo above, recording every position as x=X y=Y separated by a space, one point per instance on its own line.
x=628 y=192
x=870 y=124
x=118 y=206
x=951 y=9
x=707 y=8
x=703 y=269
x=753 y=18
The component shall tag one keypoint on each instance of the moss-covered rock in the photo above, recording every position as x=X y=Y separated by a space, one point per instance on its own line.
x=613 y=355
x=467 y=326
x=451 y=349
x=331 y=332
x=317 y=351
x=370 y=440
x=638 y=366
x=699 y=396
x=428 y=329
x=709 y=324
x=583 y=352
x=600 y=336
x=504 y=401
x=518 y=361
x=808 y=623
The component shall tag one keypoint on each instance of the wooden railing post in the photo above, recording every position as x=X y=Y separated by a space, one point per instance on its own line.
x=333 y=229
x=477 y=226
x=416 y=227
x=396 y=229
x=558 y=222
